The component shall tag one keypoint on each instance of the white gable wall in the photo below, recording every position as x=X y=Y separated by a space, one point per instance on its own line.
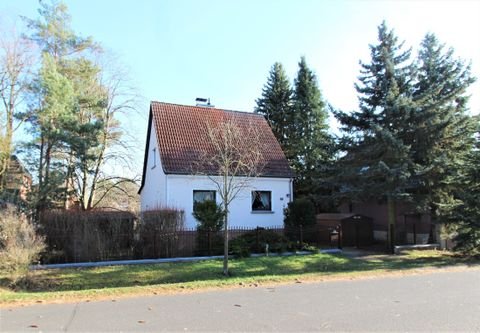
x=180 y=195
x=154 y=191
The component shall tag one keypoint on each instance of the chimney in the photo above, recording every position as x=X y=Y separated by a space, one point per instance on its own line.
x=204 y=102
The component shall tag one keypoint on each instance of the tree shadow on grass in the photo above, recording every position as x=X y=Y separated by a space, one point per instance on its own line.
x=242 y=269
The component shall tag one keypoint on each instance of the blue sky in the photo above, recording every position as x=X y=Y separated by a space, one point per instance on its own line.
x=181 y=49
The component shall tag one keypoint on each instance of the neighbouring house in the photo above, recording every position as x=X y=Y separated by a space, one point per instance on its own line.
x=177 y=140
x=18 y=182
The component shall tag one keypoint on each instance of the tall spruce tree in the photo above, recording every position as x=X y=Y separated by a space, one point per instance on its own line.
x=443 y=129
x=312 y=143
x=276 y=105
x=462 y=215
x=377 y=164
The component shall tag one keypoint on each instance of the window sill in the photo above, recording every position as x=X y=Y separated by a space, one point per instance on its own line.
x=262 y=212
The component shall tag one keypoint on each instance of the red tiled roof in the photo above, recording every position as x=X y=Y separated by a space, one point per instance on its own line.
x=182 y=137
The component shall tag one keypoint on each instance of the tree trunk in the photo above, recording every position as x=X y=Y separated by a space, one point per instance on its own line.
x=98 y=166
x=5 y=160
x=392 y=215
x=69 y=182
x=40 y=174
x=225 y=245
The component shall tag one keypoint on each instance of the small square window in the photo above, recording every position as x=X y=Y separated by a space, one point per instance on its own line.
x=262 y=201
x=201 y=195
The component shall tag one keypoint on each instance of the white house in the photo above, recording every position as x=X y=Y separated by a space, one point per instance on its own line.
x=176 y=141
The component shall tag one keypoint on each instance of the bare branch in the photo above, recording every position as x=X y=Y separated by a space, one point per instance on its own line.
x=233 y=159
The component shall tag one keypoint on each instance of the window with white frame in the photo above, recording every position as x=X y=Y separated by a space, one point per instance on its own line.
x=203 y=195
x=261 y=201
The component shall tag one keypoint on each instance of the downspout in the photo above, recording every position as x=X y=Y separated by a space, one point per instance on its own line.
x=167 y=204
x=290 y=188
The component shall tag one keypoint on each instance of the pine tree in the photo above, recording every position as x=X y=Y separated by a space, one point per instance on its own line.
x=276 y=105
x=313 y=145
x=377 y=164
x=55 y=118
x=47 y=127
x=443 y=129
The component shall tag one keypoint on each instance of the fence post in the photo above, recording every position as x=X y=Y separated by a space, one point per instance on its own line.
x=356 y=233
x=414 y=233
x=431 y=238
x=340 y=235
x=391 y=245
x=301 y=235
x=257 y=241
x=155 y=242
x=209 y=236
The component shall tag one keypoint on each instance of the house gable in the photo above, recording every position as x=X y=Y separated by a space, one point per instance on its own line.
x=153 y=187
x=177 y=134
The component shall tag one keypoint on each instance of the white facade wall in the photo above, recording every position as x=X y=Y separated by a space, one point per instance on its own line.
x=180 y=195
x=154 y=191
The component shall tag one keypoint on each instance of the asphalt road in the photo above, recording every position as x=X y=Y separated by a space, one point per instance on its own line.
x=443 y=301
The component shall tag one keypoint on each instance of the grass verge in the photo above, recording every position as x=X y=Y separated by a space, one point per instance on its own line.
x=57 y=285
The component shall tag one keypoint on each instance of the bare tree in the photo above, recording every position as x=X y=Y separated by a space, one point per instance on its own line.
x=16 y=59
x=115 y=146
x=233 y=160
x=116 y=142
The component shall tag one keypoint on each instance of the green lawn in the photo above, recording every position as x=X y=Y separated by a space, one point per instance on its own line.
x=116 y=281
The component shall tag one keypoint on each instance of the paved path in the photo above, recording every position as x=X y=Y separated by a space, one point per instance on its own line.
x=443 y=301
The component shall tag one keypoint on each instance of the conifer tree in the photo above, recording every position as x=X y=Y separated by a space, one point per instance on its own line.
x=54 y=114
x=90 y=132
x=462 y=215
x=314 y=147
x=377 y=164
x=443 y=130
x=276 y=105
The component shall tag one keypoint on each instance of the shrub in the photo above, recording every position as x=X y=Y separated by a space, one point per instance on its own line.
x=300 y=212
x=87 y=235
x=20 y=246
x=256 y=241
x=310 y=248
x=240 y=248
x=163 y=219
x=210 y=217
x=158 y=233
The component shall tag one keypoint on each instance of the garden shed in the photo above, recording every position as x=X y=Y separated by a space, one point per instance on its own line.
x=357 y=230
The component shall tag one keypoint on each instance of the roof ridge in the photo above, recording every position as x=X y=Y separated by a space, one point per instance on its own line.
x=214 y=108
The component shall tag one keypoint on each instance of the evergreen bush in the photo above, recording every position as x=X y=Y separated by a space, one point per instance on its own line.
x=255 y=241
x=300 y=212
x=210 y=217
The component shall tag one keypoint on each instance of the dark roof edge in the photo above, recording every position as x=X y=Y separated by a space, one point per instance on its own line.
x=147 y=147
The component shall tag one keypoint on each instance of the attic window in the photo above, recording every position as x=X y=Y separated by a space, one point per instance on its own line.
x=154 y=157
x=261 y=201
